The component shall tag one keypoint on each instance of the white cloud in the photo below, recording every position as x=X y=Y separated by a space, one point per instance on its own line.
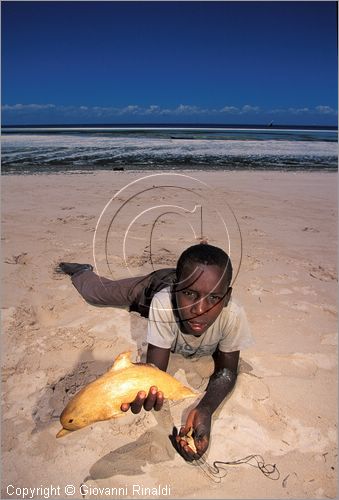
x=229 y=109
x=298 y=111
x=187 y=109
x=130 y=109
x=29 y=107
x=153 y=109
x=250 y=109
x=165 y=111
x=110 y=112
x=234 y=110
x=327 y=110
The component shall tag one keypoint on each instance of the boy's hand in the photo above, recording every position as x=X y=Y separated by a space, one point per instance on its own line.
x=153 y=401
x=199 y=419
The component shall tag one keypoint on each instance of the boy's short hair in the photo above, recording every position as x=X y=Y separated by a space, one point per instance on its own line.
x=206 y=254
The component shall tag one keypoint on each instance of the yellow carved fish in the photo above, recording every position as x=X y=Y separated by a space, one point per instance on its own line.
x=102 y=398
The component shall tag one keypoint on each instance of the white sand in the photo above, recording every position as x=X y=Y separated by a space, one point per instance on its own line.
x=284 y=404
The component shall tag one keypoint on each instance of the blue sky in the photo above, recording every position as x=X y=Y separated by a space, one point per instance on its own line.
x=164 y=62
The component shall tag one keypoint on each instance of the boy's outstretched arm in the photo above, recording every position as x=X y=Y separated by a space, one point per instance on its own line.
x=199 y=419
x=154 y=399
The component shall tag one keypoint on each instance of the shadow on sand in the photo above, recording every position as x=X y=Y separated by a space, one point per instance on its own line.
x=152 y=447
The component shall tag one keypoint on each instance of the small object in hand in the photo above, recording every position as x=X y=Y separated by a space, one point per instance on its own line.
x=190 y=440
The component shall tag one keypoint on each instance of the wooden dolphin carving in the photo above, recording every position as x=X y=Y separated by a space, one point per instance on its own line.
x=102 y=398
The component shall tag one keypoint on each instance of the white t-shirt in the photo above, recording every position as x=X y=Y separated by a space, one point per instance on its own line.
x=229 y=332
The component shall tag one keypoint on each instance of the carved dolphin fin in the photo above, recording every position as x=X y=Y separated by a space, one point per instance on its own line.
x=63 y=432
x=122 y=361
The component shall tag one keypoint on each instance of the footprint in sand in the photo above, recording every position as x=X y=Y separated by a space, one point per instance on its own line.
x=21 y=258
x=285 y=279
x=21 y=318
x=163 y=256
x=322 y=274
x=251 y=263
x=329 y=309
x=311 y=229
x=137 y=261
x=74 y=218
x=257 y=232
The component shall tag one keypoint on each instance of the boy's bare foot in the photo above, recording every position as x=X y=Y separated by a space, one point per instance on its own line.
x=71 y=268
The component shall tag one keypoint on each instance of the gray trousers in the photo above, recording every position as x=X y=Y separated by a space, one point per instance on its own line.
x=135 y=293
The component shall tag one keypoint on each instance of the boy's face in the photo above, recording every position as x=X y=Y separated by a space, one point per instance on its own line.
x=201 y=294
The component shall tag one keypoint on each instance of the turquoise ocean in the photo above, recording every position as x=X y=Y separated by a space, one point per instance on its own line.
x=59 y=149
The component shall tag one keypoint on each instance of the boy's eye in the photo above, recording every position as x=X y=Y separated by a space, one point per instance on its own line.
x=188 y=293
x=214 y=298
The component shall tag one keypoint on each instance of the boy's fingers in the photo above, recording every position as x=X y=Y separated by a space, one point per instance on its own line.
x=159 y=401
x=137 y=404
x=151 y=399
x=186 y=451
x=182 y=446
x=183 y=431
x=154 y=399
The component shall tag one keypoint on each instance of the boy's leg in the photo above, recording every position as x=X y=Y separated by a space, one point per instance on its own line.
x=135 y=293
x=103 y=291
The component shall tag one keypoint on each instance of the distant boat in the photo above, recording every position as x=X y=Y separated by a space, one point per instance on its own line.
x=270 y=124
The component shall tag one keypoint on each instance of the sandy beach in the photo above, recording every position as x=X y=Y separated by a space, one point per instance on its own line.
x=282 y=232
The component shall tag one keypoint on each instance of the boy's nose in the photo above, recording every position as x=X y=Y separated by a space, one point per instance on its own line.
x=199 y=307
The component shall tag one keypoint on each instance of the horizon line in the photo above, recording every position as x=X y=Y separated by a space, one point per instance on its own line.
x=157 y=125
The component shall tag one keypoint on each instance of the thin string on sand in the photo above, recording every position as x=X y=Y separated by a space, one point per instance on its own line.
x=214 y=473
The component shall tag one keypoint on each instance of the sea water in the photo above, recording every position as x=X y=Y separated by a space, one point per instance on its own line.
x=92 y=148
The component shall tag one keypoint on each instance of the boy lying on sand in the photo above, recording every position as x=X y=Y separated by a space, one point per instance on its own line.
x=190 y=312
